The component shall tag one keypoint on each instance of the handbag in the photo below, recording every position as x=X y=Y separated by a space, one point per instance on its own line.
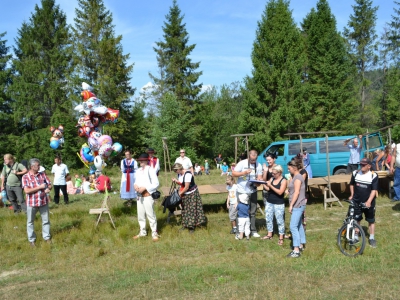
x=156 y=195
x=171 y=201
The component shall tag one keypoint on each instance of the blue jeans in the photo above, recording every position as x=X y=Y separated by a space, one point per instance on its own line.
x=296 y=226
x=396 y=184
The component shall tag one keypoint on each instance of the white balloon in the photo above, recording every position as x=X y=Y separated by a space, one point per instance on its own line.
x=98 y=163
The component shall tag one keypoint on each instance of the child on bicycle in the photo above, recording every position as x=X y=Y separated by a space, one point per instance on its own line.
x=231 y=202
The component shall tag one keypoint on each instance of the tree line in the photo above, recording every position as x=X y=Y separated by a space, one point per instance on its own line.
x=305 y=78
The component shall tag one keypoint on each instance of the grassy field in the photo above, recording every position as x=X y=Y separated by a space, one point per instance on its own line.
x=88 y=263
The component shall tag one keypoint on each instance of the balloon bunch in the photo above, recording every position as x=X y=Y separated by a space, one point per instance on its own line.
x=99 y=147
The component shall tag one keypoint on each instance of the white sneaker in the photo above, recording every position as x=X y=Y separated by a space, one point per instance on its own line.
x=255 y=234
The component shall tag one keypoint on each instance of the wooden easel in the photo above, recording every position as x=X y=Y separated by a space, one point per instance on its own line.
x=103 y=209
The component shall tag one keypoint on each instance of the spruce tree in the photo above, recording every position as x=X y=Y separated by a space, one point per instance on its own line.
x=42 y=66
x=389 y=100
x=273 y=95
x=362 y=40
x=6 y=120
x=100 y=61
x=177 y=72
x=329 y=74
x=40 y=84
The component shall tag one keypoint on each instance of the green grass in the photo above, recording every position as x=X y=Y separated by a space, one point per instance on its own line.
x=85 y=262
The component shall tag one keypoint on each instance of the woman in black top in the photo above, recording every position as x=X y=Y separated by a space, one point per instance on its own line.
x=267 y=173
x=275 y=204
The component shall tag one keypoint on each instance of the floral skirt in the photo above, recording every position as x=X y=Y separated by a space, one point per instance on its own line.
x=192 y=210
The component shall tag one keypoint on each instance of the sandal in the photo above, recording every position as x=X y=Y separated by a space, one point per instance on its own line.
x=267 y=237
x=280 y=242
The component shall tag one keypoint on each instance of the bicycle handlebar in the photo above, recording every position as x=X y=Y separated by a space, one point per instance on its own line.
x=362 y=204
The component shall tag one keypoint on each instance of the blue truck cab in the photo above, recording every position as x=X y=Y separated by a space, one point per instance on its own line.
x=316 y=148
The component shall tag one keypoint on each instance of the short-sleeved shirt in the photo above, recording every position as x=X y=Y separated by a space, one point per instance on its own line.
x=232 y=193
x=185 y=162
x=12 y=179
x=224 y=168
x=102 y=182
x=354 y=154
x=59 y=171
x=243 y=181
x=301 y=199
x=187 y=177
x=31 y=180
x=218 y=159
x=363 y=184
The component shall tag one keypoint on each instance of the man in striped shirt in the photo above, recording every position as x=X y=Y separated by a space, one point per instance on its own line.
x=37 y=187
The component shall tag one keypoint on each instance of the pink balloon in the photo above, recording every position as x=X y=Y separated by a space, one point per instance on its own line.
x=104 y=139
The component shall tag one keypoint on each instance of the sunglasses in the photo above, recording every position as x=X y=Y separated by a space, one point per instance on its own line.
x=274 y=173
x=183 y=152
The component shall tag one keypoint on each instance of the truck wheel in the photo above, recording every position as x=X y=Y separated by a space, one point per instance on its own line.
x=340 y=172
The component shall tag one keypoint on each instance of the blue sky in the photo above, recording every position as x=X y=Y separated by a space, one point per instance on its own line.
x=223 y=30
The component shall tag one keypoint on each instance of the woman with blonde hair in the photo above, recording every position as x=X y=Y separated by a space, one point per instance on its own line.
x=275 y=204
x=192 y=207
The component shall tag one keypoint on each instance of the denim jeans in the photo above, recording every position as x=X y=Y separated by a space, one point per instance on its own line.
x=296 y=226
x=44 y=214
x=396 y=184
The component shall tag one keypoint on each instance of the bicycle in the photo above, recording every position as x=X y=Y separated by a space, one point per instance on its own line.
x=351 y=237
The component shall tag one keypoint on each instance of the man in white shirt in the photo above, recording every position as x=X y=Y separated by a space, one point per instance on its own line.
x=246 y=170
x=145 y=185
x=60 y=171
x=184 y=161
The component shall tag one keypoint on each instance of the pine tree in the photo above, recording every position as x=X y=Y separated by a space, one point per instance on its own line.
x=329 y=74
x=362 y=40
x=101 y=63
x=177 y=73
x=273 y=95
x=42 y=67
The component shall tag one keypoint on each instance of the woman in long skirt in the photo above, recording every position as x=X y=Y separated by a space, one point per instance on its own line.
x=192 y=207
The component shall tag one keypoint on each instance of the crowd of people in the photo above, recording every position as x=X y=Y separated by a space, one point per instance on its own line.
x=139 y=182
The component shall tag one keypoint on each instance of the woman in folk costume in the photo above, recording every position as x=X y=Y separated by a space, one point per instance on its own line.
x=128 y=169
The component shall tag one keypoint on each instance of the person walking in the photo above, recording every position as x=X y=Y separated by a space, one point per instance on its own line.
x=60 y=172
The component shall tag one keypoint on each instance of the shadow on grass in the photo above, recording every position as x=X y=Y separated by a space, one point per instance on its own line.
x=396 y=207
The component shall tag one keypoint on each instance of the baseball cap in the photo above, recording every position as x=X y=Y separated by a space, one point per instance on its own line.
x=365 y=161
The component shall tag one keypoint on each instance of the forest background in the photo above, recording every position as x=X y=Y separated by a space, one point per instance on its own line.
x=304 y=78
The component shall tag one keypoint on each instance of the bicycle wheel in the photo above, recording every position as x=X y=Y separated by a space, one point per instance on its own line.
x=347 y=245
